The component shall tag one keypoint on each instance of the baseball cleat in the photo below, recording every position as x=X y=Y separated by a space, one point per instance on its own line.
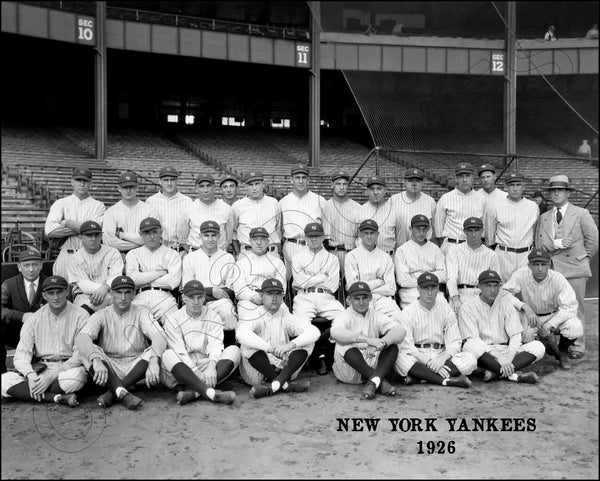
x=528 y=378
x=298 y=386
x=387 y=389
x=106 y=400
x=68 y=400
x=260 y=390
x=369 y=390
x=489 y=376
x=459 y=381
x=321 y=368
x=575 y=354
x=184 y=397
x=130 y=401
x=224 y=397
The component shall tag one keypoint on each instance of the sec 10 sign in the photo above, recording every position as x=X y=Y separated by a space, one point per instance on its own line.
x=86 y=32
x=303 y=55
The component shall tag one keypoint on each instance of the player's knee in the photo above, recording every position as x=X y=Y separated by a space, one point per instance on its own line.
x=468 y=363
x=170 y=358
x=10 y=379
x=537 y=349
x=474 y=347
x=233 y=354
x=72 y=380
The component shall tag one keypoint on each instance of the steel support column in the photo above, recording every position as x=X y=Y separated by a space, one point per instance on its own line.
x=314 y=111
x=100 y=126
x=510 y=83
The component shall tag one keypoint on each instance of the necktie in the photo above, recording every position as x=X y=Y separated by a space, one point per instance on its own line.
x=31 y=293
x=558 y=216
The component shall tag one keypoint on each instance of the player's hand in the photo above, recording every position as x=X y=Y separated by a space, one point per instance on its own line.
x=456 y=303
x=436 y=363
x=40 y=385
x=34 y=380
x=97 y=297
x=371 y=352
x=545 y=330
x=219 y=293
x=567 y=242
x=210 y=374
x=444 y=371
x=279 y=351
x=100 y=372
x=256 y=299
x=152 y=372
x=507 y=368
x=532 y=319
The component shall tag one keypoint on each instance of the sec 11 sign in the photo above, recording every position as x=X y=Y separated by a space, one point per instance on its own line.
x=303 y=55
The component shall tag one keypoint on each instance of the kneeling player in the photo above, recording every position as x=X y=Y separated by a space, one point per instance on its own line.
x=434 y=343
x=492 y=329
x=366 y=343
x=267 y=352
x=196 y=357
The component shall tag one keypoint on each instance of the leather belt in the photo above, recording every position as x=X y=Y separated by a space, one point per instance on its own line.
x=466 y=286
x=455 y=241
x=501 y=343
x=545 y=314
x=71 y=251
x=337 y=248
x=269 y=249
x=150 y=288
x=316 y=289
x=433 y=345
x=518 y=250
x=390 y=253
x=52 y=359
x=296 y=241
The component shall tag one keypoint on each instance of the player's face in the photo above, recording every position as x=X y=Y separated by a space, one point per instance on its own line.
x=360 y=302
x=340 y=187
x=229 y=189
x=30 y=269
x=209 y=240
x=473 y=235
x=152 y=238
x=414 y=186
x=272 y=300
x=428 y=294
x=81 y=187
x=300 y=182
x=538 y=200
x=56 y=298
x=539 y=270
x=255 y=189
x=464 y=182
x=419 y=233
x=259 y=244
x=369 y=238
x=206 y=191
x=515 y=190
x=559 y=196
x=169 y=185
x=488 y=179
x=128 y=192
x=122 y=298
x=91 y=242
x=376 y=193
x=489 y=291
x=314 y=241
x=194 y=304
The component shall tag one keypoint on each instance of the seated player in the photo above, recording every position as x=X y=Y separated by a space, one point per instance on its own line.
x=275 y=345
x=432 y=351
x=491 y=328
x=196 y=356
x=47 y=369
x=366 y=343
x=122 y=355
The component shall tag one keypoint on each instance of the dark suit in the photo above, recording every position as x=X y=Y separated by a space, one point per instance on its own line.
x=14 y=305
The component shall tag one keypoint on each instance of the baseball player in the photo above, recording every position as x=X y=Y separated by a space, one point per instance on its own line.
x=548 y=304
x=416 y=256
x=122 y=355
x=47 y=370
x=298 y=208
x=251 y=270
x=256 y=210
x=510 y=225
x=206 y=207
x=465 y=264
x=67 y=214
x=93 y=268
x=275 y=345
x=212 y=266
x=156 y=271
x=196 y=356
x=489 y=193
x=366 y=343
x=491 y=328
x=412 y=202
x=170 y=206
x=229 y=189
x=121 y=222
x=455 y=207
x=432 y=352
x=369 y=264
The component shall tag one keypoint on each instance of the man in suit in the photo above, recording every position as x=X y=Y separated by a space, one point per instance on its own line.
x=21 y=296
x=571 y=237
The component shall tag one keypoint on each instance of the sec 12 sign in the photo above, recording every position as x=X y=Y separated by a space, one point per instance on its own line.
x=303 y=55
x=498 y=63
x=86 y=30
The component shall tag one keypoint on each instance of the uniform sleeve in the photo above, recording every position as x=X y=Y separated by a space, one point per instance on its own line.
x=280 y=274
x=25 y=348
x=215 y=335
x=183 y=225
x=175 y=341
x=248 y=338
x=494 y=263
x=513 y=285
x=490 y=223
x=52 y=228
x=76 y=274
x=467 y=320
x=89 y=333
x=304 y=332
x=187 y=270
x=350 y=269
x=403 y=277
x=109 y=231
x=567 y=303
x=512 y=321
x=452 y=338
x=235 y=218
x=229 y=227
x=452 y=267
x=97 y=212
x=115 y=265
x=389 y=286
x=172 y=279
x=440 y=265
x=153 y=331
x=440 y=217
x=332 y=281
x=433 y=207
x=239 y=281
x=301 y=278
x=8 y=314
x=384 y=324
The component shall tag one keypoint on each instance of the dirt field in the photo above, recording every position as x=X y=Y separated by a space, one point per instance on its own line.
x=296 y=436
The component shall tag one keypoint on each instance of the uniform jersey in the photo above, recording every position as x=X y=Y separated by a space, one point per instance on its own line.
x=90 y=271
x=407 y=209
x=387 y=219
x=197 y=213
x=250 y=271
x=452 y=210
x=511 y=224
x=316 y=270
x=211 y=271
x=128 y=219
x=170 y=213
x=142 y=259
x=371 y=324
x=465 y=265
x=297 y=211
x=340 y=222
x=412 y=260
x=248 y=214
x=495 y=196
x=367 y=266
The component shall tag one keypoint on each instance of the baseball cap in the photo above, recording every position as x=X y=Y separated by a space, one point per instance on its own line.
x=82 y=173
x=340 y=174
x=375 y=179
x=358 y=288
x=193 y=287
x=427 y=279
x=90 y=227
x=254 y=175
x=122 y=282
x=464 y=168
x=299 y=169
x=489 y=276
x=54 y=282
x=229 y=177
x=149 y=223
x=127 y=179
x=271 y=285
x=414 y=173
x=30 y=254
x=204 y=178
x=514 y=177
x=473 y=222
x=209 y=226
x=313 y=229
x=538 y=255
x=259 y=232
x=368 y=224
x=418 y=220
x=167 y=171
x=485 y=167
x=559 y=182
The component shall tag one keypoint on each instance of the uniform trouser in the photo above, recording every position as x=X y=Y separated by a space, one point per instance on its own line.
x=84 y=299
x=578 y=284
x=121 y=366
x=447 y=247
x=509 y=262
x=408 y=295
x=308 y=305
x=477 y=347
x=571 y=328
x=465 y=362
x=343 y=371
x=252 y=376
x=199 y=363
x=225 y=309
x=160 y=303
x=290 y=249
x=386 y=306
x=61 y=264
x=70 y=380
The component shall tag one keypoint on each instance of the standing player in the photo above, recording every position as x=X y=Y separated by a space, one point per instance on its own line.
x=196 y=356
x=67 y=214
x=489 y=192
x=170 y=206
x=412 y=202
x=275 y=345
x=366 y=343
x=491 y=327
x=509 y=225
x=416 y=256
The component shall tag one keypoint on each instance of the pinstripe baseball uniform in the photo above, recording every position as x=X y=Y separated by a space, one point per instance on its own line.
x=128 y=219
x=198 y=212
x=388 y=220
x=412 y=260
x=171 y=211
x=340 y=223
x=511 y=224
x=437 y=325
x=90 y=271
x=495 y=328
x=212 y=271
x=142 y=260
x=121 y=340
x=464 y=266
x=195 y=341
x=74 y=209
x=247 y=276
x=267 y=330
x=407 y=209
x=51 y=339
x=553 y=300
x=492 y=198
x=248 y=214
x=372 y=268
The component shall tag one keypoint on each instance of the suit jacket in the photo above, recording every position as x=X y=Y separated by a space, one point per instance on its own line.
x=579 y=226
x=14 y=299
